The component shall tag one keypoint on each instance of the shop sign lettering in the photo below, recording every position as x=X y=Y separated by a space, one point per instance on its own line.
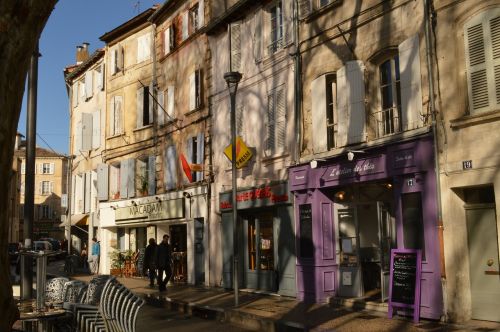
x=256 y=197
x=170 y=209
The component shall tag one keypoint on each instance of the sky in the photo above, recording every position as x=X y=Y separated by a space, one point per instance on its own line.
x=72 y=22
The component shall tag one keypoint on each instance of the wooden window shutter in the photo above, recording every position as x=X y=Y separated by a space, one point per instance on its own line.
x=201 y=13
x=93 y=191
x=151 y=103
x=318 y=110
x=494 y=29
x=52 y=168
x=96 y=129
x=78 y=134
x=199 y=88
x=200 y=140
x=270 y=139
x=152 y=175
x=342 y=107
x=305 y=8
x=411 y=89
x=160 y=108
x=287 y=15
x=192 y=91
x=87 y=131
x=257 y=36
x=124 y=178
x=170 y=168
x=140 y=106
x=82 y=93
x=100 y=77
x=89 y=84
x=280 y=119
x=171 y=102
x=131 y=178
x=102 y=182
x=235 y=32
x=185 y=25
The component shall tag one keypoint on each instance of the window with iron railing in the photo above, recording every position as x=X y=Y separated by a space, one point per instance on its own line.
x=388 y=120
x=276 y=28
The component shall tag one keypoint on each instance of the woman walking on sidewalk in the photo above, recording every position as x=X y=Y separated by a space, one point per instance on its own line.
x=164 y=263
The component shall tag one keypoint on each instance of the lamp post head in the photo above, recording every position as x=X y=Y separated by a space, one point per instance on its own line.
x=232 y=79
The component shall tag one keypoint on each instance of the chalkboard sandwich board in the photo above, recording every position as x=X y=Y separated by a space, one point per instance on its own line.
x=404 y=283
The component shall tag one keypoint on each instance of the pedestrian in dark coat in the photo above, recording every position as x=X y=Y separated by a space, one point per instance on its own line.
x=150 y=261
x=164 y=263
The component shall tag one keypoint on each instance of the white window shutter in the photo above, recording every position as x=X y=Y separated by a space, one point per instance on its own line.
x=280 y=119
x=192 y=91
x=160 y=108
x=201 y=13
x=40 y=168
x=170 y=168
x=73 y=191
x=40 y=189
x=75 y=94
x=52 y=168
x=185 y=25
x=147 y=46
x=96 y=129
x=118 y=114
x=166 y=41
x=83 y=91
x=235 y=32
x=112 y=106
x=171 y=102
x=270 y=139
x=100 y=78
x=102 y=182
x=318 y=110
x=411 y=91
x=200 y=153
x=140 y=49
x=257 y=36
x=131 y=178
x=140 y=106
x=78 y=135
x=87 y=131
x=87 y=189
x=51 y=187
x=114 y=61
x=93 y=191
x=124 y=178
x=305 y=8
x=152 y=175
x=89 y=84
x=23 y=168
x=354 y=90
x=150 y=103
x=342 y=107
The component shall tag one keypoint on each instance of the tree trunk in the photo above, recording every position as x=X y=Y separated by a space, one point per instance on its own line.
x=21 y=23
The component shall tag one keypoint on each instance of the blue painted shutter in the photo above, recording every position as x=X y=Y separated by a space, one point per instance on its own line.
x=131 y=178
x=102 y=182
x=123 y=178
x=152 y=175
x=170 y=168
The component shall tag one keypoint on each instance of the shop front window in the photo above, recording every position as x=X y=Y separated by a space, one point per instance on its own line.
x=252 y=239
x=266 y=250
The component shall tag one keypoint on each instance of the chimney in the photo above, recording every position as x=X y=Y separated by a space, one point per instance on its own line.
x=79 y=55
x=82 y=53
x=19 y=138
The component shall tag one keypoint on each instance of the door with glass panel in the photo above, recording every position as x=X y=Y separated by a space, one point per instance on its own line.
x=260 y=252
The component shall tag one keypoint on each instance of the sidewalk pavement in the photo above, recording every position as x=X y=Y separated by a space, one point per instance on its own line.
x=264 y=312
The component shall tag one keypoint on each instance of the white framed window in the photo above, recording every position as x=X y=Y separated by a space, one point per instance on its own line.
x=195 y=90
x=116 y=115
x=276 y=27
x=482 y=56
x=143 y=48
x=45 y=187
x=276 y=121
x=388 y=119
x=47 y=168
x=114 y=181
x=166 y=107
x=144 y=107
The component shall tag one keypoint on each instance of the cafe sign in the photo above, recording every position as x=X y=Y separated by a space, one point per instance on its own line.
x=267 y=195
x=169 y=209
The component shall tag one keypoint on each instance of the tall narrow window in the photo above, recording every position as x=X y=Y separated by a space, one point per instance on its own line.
x=276 y=122
x=413 y=223
x=331 y=105
x=114 y=181
x=115 y=123
x=389 y=118
x=144 y=107
x=193 y=19
x=276 y=27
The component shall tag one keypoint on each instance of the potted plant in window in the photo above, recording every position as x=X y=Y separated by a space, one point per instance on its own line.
x=143 y=185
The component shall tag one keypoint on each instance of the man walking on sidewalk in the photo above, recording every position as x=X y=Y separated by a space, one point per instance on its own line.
x=163 y=262
x=94 y=257
x=150 y=261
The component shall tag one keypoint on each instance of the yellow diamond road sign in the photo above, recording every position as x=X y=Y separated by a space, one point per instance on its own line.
x=243 y=153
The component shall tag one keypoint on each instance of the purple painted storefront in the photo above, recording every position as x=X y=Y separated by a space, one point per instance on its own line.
x=336 y=262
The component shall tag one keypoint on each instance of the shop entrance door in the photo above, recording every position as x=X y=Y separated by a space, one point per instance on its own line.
x=365 y=238
x=178 y=246
x=483 y=261
x=260 y=252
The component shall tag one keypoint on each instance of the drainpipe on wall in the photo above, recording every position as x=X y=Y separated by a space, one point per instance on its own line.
x=430 y=77
x=298 y=83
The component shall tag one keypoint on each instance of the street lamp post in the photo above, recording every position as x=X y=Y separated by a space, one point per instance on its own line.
x=232 y=79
